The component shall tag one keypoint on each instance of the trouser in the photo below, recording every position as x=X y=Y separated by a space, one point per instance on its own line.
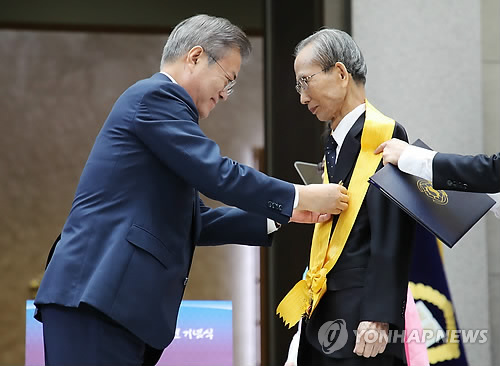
x=85 y=336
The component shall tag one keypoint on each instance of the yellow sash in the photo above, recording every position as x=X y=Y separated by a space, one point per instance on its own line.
x=305 y=295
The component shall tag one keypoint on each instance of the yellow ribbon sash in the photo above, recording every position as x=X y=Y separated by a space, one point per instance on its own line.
x=305 y=295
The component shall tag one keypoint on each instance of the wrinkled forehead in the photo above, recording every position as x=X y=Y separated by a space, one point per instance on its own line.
x=305 y=63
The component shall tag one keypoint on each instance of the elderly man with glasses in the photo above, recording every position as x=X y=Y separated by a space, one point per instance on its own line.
x=354 y=292
x=113 y=287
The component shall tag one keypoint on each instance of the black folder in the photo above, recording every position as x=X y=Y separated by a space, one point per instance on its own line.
x=446 y=214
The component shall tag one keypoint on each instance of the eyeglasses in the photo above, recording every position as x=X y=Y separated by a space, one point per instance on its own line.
x=229 y=88
x=302 y=83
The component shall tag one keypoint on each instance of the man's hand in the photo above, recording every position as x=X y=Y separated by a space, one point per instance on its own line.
x=308 y=217
x=324 y=198
x=391 y=150
x=371 y=338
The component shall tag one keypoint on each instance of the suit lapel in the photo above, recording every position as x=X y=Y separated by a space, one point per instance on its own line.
x=349 y=151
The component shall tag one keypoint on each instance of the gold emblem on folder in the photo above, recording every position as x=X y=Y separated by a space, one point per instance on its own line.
x=439 y=197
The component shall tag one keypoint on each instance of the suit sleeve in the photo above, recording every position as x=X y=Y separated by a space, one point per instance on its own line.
x=167 y=126
x=392 y=235
x=479 y=173
x=229 y=225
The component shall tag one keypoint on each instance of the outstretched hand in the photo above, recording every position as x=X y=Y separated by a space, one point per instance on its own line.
x=391 y=150
x=308 y=217
x=326 y=198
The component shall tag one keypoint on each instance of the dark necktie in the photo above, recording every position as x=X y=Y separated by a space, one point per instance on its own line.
x=330 y=155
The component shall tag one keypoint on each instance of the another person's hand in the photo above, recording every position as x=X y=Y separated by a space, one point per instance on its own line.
x=308 y=217
x=323 y=198
x=371 y=338
x=391 y=150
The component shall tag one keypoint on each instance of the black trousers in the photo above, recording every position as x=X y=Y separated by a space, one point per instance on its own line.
x=314 y=357
x=310 y=356
x=85 y=336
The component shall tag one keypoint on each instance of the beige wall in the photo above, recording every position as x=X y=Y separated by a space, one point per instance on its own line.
x=490 y=62
x=56 y=90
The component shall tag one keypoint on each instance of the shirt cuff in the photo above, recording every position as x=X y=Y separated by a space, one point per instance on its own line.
x=417 y=161
x=296 y=199
x=271 y=226
x=496 y=207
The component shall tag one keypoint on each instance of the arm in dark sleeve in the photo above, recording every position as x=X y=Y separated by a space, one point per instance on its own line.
x=229 y=225
x=392 y=234
x=479 y=173
x=177 y=140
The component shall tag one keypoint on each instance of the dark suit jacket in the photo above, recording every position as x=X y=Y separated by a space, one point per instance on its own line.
x=370 y=279
x=128 y=242
x=479 y=173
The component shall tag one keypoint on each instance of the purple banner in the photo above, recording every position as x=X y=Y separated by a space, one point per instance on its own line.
x=204 y=336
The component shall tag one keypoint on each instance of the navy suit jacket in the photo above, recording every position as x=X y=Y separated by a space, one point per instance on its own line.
x=479 y=173
x=127 y=245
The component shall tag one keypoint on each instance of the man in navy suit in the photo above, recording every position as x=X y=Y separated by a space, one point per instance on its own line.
x=117 y=276
x=479 y=173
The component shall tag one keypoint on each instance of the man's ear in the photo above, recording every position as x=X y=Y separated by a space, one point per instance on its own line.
x=343 y=73
x=194 y=55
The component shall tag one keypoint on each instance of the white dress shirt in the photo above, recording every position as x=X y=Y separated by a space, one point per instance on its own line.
x=418 y=161
x=271 y=224
x=345 y=125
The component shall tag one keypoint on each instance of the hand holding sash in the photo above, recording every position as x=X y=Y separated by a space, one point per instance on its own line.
x=329 y=198
x=391 y=150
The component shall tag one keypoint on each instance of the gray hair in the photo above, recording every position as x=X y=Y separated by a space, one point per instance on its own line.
x=331 y=46
x=215 y=35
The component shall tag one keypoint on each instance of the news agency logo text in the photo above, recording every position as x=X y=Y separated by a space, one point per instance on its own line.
x=333 y=335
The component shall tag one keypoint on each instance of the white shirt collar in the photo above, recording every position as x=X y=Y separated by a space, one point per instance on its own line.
x=169 y=76
x=345 y=125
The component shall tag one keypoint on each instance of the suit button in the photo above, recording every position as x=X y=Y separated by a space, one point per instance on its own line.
x=280 y=208
x=269 y=204
x=449 y=183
